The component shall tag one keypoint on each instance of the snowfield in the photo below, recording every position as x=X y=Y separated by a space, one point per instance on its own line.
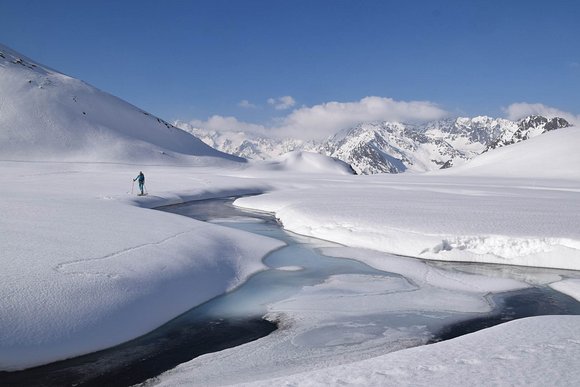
x=84 y=268
x=87 y=264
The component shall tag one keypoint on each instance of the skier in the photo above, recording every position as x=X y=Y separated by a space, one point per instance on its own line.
x=141 y=178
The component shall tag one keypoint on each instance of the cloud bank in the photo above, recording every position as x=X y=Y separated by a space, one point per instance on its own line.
x=323 y=120
x=328 y=118
x=320 y=121
x=519 y=110
x=224 y=124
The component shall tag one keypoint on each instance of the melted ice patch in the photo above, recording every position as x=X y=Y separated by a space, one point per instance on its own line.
x=344 y=295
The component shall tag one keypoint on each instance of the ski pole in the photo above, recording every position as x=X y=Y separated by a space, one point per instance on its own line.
x=132 y=186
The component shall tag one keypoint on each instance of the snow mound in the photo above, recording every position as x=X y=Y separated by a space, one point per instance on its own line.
x=308 y=162
x=47 y=115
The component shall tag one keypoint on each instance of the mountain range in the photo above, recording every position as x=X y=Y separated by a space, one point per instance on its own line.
x=391 y=147
x=47 y=115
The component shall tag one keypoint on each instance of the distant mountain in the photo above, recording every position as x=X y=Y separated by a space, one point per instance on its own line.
x=396 y=147
x=392 y=147
x=247 y=145
x=46 y=115
x=527 y=128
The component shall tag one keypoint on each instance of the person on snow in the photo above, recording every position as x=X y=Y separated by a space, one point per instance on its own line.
x=141 y=178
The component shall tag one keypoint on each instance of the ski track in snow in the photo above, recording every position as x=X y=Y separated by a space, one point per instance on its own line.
x=62 y=267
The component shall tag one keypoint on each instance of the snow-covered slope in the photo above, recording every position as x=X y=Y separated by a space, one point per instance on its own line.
x=527 y=128
x=554 y=155
x=46 y=115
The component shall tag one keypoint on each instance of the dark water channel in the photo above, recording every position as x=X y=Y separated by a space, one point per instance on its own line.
x=236 y=318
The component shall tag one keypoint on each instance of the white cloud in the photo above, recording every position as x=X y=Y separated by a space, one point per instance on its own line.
x=223 y=124
x=520 y=110
x=328 y=118
x=282 y=103
x=320 y=121
x=246 y=104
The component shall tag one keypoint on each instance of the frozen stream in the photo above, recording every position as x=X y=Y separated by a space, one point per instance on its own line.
x=331 y=310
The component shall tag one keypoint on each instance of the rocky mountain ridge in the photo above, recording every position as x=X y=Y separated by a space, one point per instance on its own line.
x=392 y=147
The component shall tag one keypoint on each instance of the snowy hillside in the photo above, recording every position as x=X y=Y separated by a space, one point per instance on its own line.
x=46 y=115
x=554 y=155
x=393 y=147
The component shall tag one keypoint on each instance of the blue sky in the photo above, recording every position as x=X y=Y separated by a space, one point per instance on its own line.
x=234 y=60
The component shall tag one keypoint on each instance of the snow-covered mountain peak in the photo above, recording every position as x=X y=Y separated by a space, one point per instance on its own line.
x=548 y=124
x=367 y=131
x=393 y=147
x=480 y=129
